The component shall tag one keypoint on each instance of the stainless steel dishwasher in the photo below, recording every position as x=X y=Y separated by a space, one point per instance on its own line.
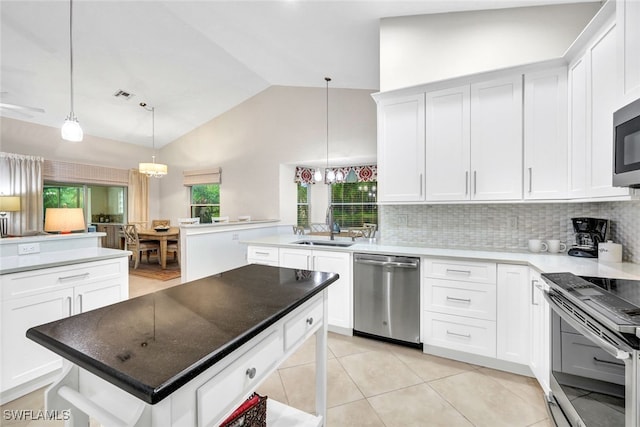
x=387 y=298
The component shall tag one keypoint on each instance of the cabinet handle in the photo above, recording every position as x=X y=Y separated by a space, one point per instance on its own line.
x=530 y=179
x=80 y=304
x=310 y=321
x=459 y=299
x=475 y=182
x=458 y=335
x=595 y=359
x=420 y=182
x=262 y=253
x=451 y=270
x=75 y=276
x=466 y=183
x=69 y=305
x=533 y=287
x=251 y=372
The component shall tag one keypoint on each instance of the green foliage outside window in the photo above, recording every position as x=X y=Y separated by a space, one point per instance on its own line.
x=63 y=197
x=205 y=202
x=303 y=205
x=354 y=203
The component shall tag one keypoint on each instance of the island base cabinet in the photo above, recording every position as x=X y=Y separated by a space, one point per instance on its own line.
x=212 y=395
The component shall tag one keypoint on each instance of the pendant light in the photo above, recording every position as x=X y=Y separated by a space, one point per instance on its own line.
x=71 y=130
x=153 y=169
x=330 y=175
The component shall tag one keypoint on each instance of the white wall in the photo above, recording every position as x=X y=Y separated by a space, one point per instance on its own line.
x=258 y=143
x=427 y=48
x=21 y=137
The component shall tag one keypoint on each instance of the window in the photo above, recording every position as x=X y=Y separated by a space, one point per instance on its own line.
x=303 y=213
x=354 y=203
x=63 y=196
x=205 y=201
x=103 y=203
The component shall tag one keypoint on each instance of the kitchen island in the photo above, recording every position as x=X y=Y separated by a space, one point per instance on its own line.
x=188 y=355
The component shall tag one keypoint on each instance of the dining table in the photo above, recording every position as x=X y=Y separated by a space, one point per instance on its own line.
x=162 y=236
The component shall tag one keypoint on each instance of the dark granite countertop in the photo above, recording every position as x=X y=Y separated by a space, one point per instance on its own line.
x=152 y=345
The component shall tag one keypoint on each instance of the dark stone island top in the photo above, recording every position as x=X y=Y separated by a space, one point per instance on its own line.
x=152 y=345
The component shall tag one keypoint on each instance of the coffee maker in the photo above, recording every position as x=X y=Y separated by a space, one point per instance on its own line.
x=589 y=233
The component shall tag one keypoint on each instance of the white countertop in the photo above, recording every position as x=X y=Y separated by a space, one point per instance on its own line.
x=19 y=263
x=545 y=263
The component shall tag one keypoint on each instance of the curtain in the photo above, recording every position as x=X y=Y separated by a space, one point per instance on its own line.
x=22 y=176
x=304 y=175
x=138 y=197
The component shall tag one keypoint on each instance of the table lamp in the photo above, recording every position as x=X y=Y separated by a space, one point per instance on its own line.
x=7 y=204
x=63 y=220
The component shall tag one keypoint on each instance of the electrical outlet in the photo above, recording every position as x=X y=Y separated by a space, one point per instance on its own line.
x=28 y=248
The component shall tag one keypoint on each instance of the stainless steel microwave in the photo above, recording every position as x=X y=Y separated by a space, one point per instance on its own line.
x=626 y=146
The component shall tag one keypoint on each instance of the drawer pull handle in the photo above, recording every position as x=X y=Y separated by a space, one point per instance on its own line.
x=467 y=272
x=458 y=335
x=251 y=372
x=75 y=276
x=467 y=300
x=310 y=321
x=595 y=359
x=262 y=253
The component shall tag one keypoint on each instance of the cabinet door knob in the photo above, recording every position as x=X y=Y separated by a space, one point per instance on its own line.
x=251 y=372
x=310 y=321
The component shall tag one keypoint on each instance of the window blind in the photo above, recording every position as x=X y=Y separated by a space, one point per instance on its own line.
x=57 y=171
x=203 y=176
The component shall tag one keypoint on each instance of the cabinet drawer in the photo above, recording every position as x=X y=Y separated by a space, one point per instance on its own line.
x=300 y=326
x=46 y=279
x=467 y=271
x=584 y=358
x=222 y=393
x=260 y=253
x=460 y=333
x=477 y=300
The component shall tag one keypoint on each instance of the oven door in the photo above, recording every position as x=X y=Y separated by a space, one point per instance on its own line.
x=593 y=371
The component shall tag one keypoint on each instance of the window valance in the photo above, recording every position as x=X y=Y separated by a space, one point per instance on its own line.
x=58 y=171
x=201 y=177
x=365 y=173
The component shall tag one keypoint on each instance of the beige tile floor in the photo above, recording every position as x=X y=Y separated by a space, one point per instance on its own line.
x=372 y=383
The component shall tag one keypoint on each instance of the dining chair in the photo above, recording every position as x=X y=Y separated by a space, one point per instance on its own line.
x=174 y=246
x=298 y=230
x=369 y=230
x=220 y=219
x=160 y=223
x=133 y=244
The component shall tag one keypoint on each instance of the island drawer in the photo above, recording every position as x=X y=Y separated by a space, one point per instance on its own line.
x=467 y=271
x=460 y=333
x=43 y=280
x=221 y=394
x=263 y=255
x=477 y=300
x=306 y=322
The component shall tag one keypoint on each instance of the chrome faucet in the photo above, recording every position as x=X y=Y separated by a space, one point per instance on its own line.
x=330 y=221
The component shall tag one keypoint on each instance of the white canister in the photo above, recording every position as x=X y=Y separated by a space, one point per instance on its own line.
x=610 y=252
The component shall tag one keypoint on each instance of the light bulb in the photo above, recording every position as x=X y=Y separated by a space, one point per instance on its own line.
x=339 y=176
x=331 y=176
x=71 y=130
x=317 y=175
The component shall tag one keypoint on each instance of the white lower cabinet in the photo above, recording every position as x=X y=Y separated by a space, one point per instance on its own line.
x=40 y=296
x=539 y=331
x=265 y=255
x=459 y=303
x=340 y=307
x=513 y=313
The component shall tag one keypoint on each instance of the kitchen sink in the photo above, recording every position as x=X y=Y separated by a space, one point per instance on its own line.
x=332 y=243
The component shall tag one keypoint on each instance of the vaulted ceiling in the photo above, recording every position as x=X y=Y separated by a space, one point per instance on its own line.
x=191 y=60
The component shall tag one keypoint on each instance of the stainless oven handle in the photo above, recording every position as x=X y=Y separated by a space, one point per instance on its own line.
x=613 y=351
x=595 y=359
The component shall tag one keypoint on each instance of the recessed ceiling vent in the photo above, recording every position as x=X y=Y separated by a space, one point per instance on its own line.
x=123 y=94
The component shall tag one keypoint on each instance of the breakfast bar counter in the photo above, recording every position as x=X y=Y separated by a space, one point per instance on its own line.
x=187 y=355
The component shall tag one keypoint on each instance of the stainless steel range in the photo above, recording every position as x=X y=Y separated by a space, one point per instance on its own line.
x=595 y=350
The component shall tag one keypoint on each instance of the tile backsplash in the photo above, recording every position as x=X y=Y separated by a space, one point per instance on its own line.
x=506 y=226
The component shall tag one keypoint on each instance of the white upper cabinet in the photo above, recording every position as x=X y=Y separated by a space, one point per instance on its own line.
x=594 y=94
x=628 y=22
x=496 y=139
x=448 y=144
x=545 y=134
x=401 y=149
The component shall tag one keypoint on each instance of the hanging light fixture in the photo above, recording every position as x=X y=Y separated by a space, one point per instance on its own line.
x=71 y=130
x=330 y=175
x=153 y=169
